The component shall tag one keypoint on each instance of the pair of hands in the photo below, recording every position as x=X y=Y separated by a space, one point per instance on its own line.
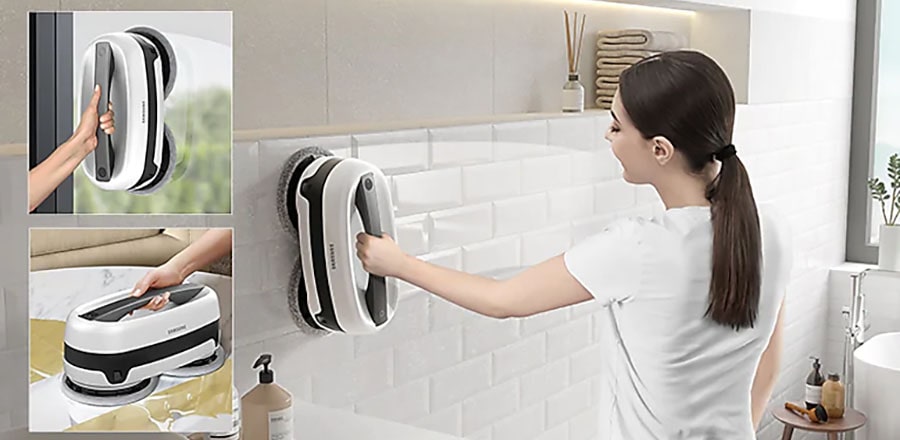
x=379 y=256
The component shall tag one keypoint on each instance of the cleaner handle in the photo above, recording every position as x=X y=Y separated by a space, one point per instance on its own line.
x=367 y=204
x=116 y=310
x=103 y=154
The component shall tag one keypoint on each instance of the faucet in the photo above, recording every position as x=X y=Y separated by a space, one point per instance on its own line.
x=855 y=326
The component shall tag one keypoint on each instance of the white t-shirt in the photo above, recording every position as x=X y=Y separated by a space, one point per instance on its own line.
x=670 y=372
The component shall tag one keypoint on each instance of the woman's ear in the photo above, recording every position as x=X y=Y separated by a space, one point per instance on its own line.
x=663 y=150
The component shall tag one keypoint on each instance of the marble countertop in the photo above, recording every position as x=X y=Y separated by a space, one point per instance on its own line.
x=54 y=293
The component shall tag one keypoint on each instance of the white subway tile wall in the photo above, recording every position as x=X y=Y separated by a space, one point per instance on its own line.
x=489 y=198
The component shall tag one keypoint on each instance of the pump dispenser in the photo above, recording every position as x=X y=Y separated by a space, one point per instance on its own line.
x=814 y=383
x=267 y=409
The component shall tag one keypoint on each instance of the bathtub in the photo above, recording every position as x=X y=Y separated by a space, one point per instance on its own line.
x=876 y=368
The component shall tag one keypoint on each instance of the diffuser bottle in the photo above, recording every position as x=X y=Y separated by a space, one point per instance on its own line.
x=833 y=396
x=814 y=383
x=267 y=409
x=573 y=95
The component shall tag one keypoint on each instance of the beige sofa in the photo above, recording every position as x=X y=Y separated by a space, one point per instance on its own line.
x=59 y=248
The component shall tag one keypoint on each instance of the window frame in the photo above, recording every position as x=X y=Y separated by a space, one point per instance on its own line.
x=50 y=99
x=862 y=132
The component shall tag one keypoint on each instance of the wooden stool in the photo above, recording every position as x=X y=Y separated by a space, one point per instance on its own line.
x=852 y=420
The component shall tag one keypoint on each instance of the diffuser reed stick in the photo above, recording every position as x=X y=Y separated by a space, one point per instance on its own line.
x=574 y=40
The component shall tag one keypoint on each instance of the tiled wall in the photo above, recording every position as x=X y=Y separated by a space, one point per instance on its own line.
x=487 y=197
x=483 y=199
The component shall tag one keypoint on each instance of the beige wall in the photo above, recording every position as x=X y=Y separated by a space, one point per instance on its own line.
x=58 y=248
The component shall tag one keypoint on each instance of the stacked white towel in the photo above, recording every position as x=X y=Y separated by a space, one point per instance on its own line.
x=619 y=49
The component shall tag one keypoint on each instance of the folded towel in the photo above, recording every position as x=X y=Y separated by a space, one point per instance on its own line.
x=606 y=92
x=612 y=71
x=603 y=53
x=640 y=39
x=604 y=102
x=602 y=63
x=606 y=86
x=608 y=80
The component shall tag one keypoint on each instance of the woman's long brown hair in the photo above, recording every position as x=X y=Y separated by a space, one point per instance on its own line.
x=687 y=98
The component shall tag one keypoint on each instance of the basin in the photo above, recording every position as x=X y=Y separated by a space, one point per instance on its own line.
x=876 y=375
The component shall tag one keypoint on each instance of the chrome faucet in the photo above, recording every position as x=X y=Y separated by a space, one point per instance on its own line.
x=855 y=326
x=856 y=322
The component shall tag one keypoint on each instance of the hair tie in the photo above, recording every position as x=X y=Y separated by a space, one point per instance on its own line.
x=726 y=152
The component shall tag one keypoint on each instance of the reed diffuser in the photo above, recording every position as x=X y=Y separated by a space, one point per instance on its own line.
x=573 y=91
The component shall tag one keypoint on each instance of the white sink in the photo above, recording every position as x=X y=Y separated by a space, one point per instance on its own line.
x=876 y=375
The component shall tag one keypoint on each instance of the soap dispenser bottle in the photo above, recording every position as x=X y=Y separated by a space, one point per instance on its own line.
x=814 y=383
x=267 y=409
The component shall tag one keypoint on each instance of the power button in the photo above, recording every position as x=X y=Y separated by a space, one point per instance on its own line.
x=368 y=183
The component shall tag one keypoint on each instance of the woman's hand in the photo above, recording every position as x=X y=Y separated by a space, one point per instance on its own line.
x=47 y=175
x=85 y=136
x=163 y=276
x=380 y=255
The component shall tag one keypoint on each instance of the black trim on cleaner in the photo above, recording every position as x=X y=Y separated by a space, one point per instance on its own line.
x=116 y=310
x=116 y=366
x=311 y=189
x=103 y=68
x=304 y=306
x=150 y=168
x=80 y=389
x=367 y=205
x=293 y=183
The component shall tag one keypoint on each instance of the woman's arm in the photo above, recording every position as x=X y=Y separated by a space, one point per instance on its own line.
x=540 y=288
x=46 y=176
x=767 y=371
x=212 y=245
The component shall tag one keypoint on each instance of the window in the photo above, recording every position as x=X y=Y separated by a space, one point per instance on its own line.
x=875 y=133
x=887 y=104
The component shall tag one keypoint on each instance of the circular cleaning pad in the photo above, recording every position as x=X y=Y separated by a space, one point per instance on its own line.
x=286 y=202
x=200 y=367
x=167 y=166
x=166 y=55
x=108 y=397
x=297 y=304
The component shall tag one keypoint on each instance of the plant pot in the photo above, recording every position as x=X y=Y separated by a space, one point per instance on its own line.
x=889 y=247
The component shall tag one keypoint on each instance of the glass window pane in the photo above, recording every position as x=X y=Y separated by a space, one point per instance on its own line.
x=887 y=106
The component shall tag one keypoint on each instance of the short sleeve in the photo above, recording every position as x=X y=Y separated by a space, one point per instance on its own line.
x=607 y=264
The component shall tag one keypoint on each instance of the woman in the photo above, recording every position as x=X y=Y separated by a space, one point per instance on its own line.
x=694 y=298
x=49 y=174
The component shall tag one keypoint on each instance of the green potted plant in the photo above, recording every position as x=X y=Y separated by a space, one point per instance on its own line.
x=889 y=232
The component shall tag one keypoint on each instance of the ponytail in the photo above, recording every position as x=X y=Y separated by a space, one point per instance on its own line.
x=737 y=256
x=685 y=96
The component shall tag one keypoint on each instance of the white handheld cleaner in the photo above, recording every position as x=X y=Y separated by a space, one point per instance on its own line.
x=324 y=202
